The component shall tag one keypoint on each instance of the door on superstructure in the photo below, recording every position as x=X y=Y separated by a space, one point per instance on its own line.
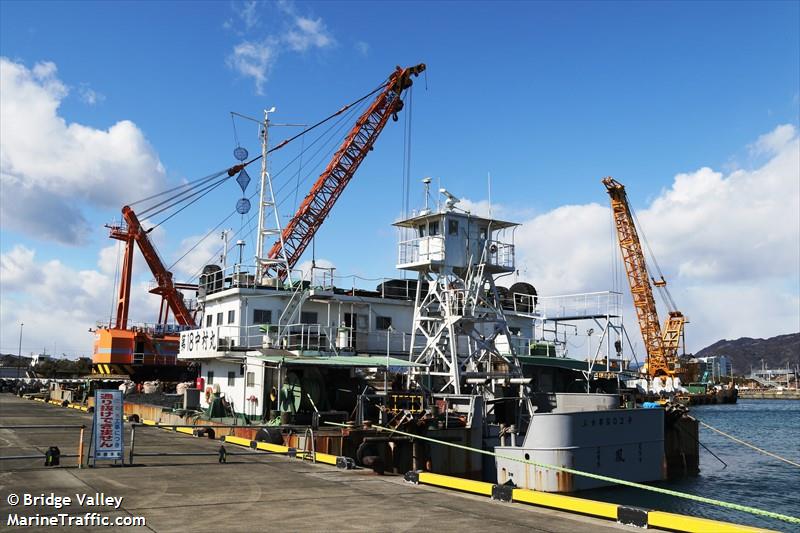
x=351 y=323
x=358 y=327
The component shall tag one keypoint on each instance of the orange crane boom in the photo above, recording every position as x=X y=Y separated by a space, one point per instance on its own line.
x=662 y=350
x=316 y=206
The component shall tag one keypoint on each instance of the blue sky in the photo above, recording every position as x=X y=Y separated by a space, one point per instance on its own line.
x=548 y=97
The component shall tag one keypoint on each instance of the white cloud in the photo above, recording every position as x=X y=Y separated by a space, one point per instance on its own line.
x=90 y=96
x=728 y=243
x=566 y=250
x=741 y=226
x=498 y=211
x=308 y=33
x=771 y=143
x=58 y=303
x=362 y=48
x=200 y=254
x=245 y=17
x=249 y=15
x=255 y=57
x=48 y=165
x=254 y=60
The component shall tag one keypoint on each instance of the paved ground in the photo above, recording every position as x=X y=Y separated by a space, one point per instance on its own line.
x=248 y=493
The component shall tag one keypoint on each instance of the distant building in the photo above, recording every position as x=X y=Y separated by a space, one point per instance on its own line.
x=717 y=366
x=773 y=374
x=40 y=358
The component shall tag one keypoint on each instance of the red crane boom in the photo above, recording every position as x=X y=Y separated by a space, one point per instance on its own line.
x=329 y=186
x=171 y=298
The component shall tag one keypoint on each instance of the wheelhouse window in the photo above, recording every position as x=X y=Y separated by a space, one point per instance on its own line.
x=231 y=379
x=251 y=379
x=309 y=317
x=209 y=321
x=452 y=227
x=231 y=316
x=383 y=322
x=433 y=227
x=262 y=316
x=210 y=377
x=219 y=319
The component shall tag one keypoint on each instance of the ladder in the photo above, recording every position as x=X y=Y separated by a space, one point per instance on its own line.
x=291 y=313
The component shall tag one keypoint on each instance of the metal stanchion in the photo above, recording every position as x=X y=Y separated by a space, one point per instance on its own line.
x=133 y=443
x=80 y=449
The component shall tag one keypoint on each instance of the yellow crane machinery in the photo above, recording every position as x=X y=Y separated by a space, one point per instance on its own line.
x=662 y=348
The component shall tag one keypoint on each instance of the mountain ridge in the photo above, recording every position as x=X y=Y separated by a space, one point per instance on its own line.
x=747 y=352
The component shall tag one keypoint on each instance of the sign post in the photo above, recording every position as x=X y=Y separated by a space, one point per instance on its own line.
x=107 y=429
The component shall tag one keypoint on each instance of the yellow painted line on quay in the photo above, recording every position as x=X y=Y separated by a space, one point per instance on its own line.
x=237 y=440
x=566 y=503
x=693 y=524
x=318 y=456
x=277 y=448
x=269 y=447
x=656 y=519
x=457 y=483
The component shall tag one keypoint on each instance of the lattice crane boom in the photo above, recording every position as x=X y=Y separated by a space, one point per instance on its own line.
x=316 y=206
x=662 y=349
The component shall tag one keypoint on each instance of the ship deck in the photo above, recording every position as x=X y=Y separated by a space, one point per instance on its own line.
x=266 y=492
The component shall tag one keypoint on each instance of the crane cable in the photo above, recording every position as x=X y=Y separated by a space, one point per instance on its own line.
x=116 y=277
x=201 y=193
x=181 y=186
x=662 y=288
x=340 y=123
x=182 y=196
x=213 y=186
x=321 y=122
x=207 y=235
x=231 y=171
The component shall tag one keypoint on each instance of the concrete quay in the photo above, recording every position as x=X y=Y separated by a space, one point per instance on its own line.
x=251 y=492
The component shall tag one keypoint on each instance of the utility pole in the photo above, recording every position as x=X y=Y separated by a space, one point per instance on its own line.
x=19 y=352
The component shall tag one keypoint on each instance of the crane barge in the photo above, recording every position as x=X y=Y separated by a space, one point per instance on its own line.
x=147 y=351
x=293 y=355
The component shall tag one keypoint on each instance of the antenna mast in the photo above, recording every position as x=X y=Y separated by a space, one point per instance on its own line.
x=266 y=203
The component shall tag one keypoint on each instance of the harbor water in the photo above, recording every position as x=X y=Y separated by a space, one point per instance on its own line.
x=751 y=478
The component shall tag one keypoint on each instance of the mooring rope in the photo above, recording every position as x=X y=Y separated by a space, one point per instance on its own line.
x=720 y=503
x=740 y=441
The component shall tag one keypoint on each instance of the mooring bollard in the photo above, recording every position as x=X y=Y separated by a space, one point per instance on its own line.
x=52 y=456
x=223 y=455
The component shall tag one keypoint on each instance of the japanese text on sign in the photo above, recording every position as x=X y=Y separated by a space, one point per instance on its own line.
x=108 y=424
x=199 y=340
